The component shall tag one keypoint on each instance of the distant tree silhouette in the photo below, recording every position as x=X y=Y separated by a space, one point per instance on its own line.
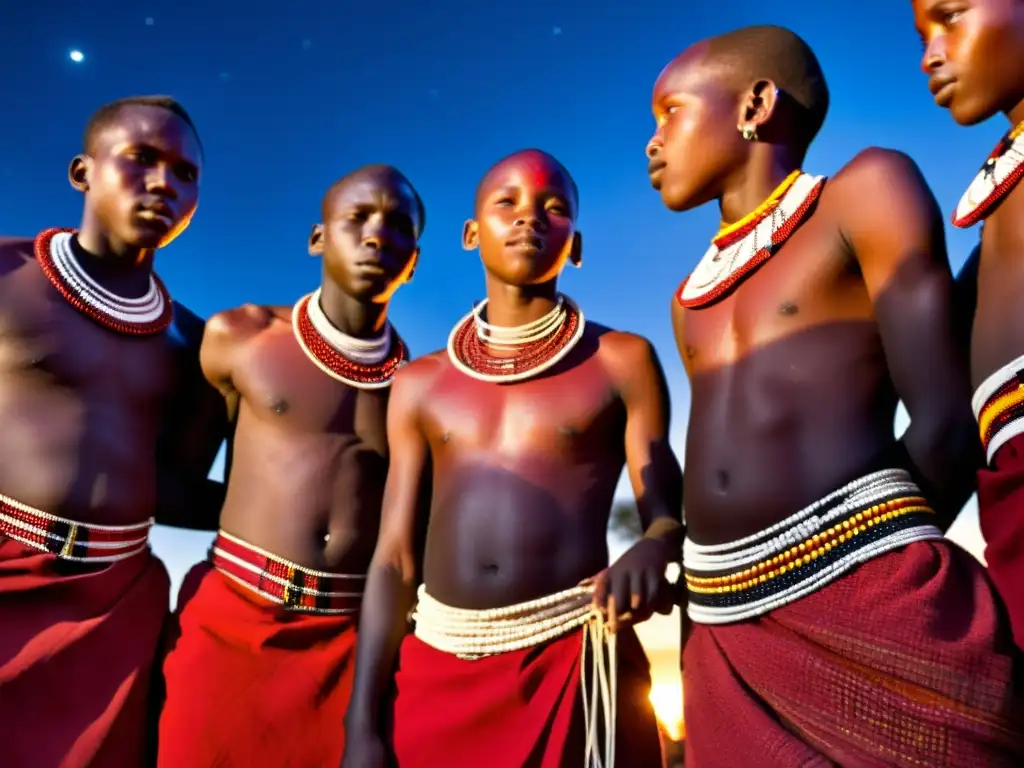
x=625 y=521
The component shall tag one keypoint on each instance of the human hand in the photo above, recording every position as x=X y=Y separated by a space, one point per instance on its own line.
x=634 y=586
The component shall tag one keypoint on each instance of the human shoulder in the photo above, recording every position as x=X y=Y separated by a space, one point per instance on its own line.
x=626 y=356
x=422 y=371
x=884 y=182
x=240 y=323
x=884 y=207
x=15 y=251
x=414 y=380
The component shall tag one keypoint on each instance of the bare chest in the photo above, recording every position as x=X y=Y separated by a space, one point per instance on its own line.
x=283 y=388
x=47 y=343
x=804 y=286
x=573 y=413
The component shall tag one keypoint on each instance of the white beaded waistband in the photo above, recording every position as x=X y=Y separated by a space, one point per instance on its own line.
x=473 y=634
x=995 y=438
x=756 y=574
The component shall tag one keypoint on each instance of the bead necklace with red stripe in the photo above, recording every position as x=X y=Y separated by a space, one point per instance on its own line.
x=360 y=363
x=536 y=346
x=1000 y=173
x=739 y=249
x=145 y=316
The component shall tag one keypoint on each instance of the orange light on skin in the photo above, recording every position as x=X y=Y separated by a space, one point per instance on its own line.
x=667 y=700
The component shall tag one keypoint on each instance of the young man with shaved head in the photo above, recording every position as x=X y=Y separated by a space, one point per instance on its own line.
x=107 y=426
x=522 y=428
x=260 y=668
x=974 y=59
x=833 y=623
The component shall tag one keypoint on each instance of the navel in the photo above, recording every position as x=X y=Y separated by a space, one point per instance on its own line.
x=722 y=481
x=788 y=308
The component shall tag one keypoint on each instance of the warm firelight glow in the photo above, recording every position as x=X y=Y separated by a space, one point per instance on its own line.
x=667 y=700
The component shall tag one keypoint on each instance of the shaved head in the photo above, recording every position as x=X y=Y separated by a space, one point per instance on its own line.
x=384 y=174
x=107 y=115
x=752 y=54
x=529 y=156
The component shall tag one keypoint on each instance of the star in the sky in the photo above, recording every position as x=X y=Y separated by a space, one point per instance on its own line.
x=76 y=56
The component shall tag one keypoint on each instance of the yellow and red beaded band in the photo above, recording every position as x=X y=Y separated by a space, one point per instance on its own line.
x=741 y=580
x=281 y=581
x=999 y=407
x=69 y=540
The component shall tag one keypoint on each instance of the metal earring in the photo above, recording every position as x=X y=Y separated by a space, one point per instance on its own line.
x=749 y=132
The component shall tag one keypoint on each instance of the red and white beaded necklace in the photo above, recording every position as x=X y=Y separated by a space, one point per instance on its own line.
x=145 y=316
x=1000 y=173
x=360 y=363
x=739 y=249
x=536 y=346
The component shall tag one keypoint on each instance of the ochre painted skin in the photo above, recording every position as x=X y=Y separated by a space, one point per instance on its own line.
x=522 y=475
x=974 y=59
x=795 y=374
x=310 y=453
x=85 y=411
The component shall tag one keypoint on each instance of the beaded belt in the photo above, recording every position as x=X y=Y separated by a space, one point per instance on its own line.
x=999 y=406
x=474 y=634
x=285 y=582
x=69 y=540
x=779 y=565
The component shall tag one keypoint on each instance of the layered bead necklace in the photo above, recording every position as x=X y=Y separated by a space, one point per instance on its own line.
x=740 y=248
x=145 y=316
x=526 y=350
x=1000 y=173
x=360 y=363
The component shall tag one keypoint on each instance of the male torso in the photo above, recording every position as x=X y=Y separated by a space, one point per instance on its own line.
x=791 y=394
x=998 y=330
x=524 y=475
x=309 y=458
x=81 y=407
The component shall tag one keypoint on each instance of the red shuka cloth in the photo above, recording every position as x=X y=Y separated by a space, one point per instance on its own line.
x=514 y=710
x=77 y=646
x=251 y=684
x=905 y=661
x=1001 y=514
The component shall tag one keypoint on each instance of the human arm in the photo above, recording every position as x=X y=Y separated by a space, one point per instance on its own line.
x=636 y=581
x=194 y=426
x=965 y=297
x=392 y=574
x=893 y=226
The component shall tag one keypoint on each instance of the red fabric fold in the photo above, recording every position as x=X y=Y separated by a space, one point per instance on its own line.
x=905 y=661
x=251 y=684
x=77 y=646
x=1001 y=514
x=514 y=710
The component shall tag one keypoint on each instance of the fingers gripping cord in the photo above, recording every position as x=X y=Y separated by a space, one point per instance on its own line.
x=473 y=634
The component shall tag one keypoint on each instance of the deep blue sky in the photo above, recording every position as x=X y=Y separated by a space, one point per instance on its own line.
x=290 y=96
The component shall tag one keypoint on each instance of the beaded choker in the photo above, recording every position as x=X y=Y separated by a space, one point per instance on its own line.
x=145 y=316
x=739 y=249
x=537 y=345
x=360 y=363
x=1000 y=173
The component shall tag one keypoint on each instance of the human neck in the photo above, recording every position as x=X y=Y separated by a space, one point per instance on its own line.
x=122 y=268
x=509 y=306
x=1016 y=115
x=350 y=316
x=754 y=183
